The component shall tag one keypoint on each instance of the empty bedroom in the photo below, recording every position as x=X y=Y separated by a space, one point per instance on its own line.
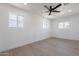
x=39 y=29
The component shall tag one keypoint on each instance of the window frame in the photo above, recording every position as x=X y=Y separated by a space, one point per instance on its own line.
x=16 y=20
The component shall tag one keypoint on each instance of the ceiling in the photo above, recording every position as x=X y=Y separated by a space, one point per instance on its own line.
x=32 y=7
x=38 y=8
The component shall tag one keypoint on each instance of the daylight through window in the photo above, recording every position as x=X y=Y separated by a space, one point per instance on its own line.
x=15 y=20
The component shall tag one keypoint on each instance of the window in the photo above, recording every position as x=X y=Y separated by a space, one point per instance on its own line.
x=44 y=24
x=67 y=25
x=61 y=25
x=20 y=21
x=12 y=20
x=15 y=20
x=64 y=25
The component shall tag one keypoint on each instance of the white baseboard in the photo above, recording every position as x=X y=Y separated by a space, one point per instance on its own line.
x=64 y=38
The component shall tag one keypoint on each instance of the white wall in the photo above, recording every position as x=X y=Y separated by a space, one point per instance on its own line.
x=15 y=37
x=72 y=33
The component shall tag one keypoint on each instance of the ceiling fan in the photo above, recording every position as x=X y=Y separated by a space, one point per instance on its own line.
x=50 y=9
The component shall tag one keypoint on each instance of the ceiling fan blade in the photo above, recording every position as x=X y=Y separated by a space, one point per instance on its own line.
x=55 y=11
x=57 y=6
x=49 y=13
x=46 y=7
